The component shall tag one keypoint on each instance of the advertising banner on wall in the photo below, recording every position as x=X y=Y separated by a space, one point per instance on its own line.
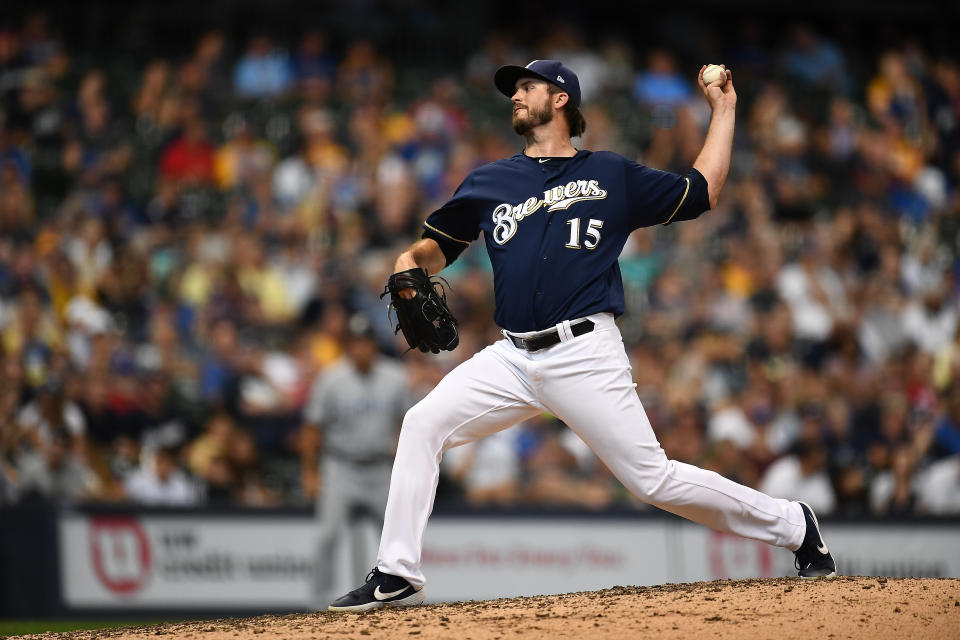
x=185 y=562
x=152 y=561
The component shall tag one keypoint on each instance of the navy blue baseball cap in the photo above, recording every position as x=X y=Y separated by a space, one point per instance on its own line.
x=552 y=71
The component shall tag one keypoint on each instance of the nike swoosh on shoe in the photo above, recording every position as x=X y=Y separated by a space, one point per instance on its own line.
x=379 y=595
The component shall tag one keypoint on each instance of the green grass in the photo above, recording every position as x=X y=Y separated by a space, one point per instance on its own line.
x=21 y=627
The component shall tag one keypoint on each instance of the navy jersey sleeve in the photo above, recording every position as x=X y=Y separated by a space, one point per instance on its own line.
x=456 y=224
x=659 y=197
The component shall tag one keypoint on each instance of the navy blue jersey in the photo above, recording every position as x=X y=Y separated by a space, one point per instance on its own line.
x=554 y=228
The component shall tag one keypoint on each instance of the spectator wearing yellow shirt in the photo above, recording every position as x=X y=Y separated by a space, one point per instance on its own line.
x=243 y=159
x=32 y=323
x=262 y=282
x=213 y=444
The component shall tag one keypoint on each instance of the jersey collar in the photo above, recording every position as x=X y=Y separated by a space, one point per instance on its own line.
x=549 y=159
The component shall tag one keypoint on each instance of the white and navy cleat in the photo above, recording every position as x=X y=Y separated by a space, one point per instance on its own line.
x=380 y=590
x=813 y=559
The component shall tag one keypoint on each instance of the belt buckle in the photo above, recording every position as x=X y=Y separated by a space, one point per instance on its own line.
x=518 y=342
x=527 y=343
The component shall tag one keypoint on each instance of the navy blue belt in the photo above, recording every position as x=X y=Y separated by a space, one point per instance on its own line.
x=549 y=337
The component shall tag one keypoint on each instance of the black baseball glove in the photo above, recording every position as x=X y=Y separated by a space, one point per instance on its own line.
x=425 y=319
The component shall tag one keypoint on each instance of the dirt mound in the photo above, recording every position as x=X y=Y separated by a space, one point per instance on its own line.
x=875 y=608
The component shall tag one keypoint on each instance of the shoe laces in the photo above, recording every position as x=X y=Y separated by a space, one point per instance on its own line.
x=373 y=574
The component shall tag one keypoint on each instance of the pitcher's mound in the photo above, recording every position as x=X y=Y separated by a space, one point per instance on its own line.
x=874 y=608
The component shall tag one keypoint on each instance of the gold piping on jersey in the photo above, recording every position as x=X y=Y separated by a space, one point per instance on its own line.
x=445 y=235
x=681 y=201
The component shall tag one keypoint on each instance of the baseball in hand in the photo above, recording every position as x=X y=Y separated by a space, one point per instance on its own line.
x=712 y=73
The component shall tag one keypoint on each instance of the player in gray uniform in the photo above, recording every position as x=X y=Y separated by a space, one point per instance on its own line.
x=352 y=416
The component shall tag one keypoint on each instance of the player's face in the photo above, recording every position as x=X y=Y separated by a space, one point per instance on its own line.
x=362 y=351
x=531 y=105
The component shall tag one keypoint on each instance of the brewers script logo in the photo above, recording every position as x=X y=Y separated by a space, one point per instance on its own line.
x=506 y=216
x=121 y=553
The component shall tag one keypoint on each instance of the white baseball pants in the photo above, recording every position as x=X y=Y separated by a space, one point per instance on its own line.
x=586 y=382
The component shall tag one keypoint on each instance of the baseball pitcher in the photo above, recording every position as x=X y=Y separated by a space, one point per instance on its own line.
x=554 y=220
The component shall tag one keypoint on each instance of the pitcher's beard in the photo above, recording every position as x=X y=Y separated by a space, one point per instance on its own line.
x=534 y=117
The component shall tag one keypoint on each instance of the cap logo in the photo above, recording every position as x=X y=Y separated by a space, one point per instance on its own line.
x=560 y=78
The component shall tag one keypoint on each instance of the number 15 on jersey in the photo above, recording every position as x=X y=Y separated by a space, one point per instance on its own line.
x=592 y=232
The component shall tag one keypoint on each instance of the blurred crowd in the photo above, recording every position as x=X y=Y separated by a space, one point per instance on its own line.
x=181 y=248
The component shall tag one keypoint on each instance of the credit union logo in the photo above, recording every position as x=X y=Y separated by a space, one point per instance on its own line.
x=120 y=553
